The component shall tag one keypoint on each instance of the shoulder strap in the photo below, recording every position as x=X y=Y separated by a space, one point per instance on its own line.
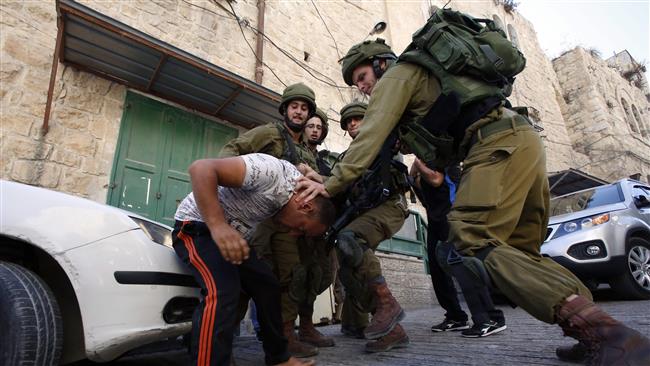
x=289 y=152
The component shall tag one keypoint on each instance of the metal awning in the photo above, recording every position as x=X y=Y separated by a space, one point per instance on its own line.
x=572 y=180
x=93 y=42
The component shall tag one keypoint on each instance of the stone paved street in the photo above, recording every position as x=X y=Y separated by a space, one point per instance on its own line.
x=525 y=342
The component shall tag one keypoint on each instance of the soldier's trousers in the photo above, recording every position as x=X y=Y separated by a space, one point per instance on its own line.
x=502 y=201
x=302 y=266
x=373 y=226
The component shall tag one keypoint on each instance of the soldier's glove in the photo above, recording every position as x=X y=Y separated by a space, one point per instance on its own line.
x=350 y=250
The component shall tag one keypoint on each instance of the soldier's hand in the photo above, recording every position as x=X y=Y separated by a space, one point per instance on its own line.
x=310 y=173
x=232 y=246
x=308 y=189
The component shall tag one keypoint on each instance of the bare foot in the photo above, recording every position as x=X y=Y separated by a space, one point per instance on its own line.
x=292 y=361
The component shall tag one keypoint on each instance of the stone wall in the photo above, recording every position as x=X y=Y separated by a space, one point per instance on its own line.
x=569 y=97
x=407 y=280
x=606 y=116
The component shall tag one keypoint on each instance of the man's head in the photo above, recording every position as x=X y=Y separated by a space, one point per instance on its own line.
x=298 y=104
x=310 y=218
x=365 y=63
x=352 y=117
x=316 y=128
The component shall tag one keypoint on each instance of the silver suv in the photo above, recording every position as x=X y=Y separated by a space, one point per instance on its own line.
x=602 y=235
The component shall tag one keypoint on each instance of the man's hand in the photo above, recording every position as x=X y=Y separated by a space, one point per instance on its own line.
x=310 y=173
x=430 y=176
x=309 y=189
x=232 y=246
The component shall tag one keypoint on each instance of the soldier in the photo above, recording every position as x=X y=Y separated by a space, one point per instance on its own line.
x=360 y=272
x=315 y=133
x=499 y=218
x=302 y=266
x=213 y=224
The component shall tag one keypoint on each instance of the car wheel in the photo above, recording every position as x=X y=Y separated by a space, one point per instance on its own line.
x=635 y=282
x=30 y=319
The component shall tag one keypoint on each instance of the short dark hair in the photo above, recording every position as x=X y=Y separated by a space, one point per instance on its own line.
x=325 y=210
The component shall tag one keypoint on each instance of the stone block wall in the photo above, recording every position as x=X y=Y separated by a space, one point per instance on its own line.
x=407 y=280
x=599 y=110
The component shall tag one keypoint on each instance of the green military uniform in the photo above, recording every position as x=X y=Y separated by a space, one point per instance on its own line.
x=371 y=228
x=302 y=266
x=502 y=198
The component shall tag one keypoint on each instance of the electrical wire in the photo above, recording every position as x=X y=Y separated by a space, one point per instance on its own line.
x=241 y=29
x=338 y=53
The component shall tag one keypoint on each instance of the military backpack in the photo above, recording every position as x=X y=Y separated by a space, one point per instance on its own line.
x=475 y=64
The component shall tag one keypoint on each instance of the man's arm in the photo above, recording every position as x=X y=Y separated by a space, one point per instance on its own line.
x=432 y=177
x=258 y=140
x=206 y=176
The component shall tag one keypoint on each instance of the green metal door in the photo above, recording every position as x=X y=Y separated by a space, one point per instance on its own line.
x=157 y=143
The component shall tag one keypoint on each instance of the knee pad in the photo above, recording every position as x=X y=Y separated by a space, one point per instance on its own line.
x=351 y=252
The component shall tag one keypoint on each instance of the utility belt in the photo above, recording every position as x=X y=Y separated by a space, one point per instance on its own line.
x=508 y=121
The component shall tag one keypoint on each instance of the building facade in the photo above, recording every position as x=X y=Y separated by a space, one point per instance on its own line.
x=127 y=144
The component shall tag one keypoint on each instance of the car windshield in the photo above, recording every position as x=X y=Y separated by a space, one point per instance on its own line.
x=600 y=196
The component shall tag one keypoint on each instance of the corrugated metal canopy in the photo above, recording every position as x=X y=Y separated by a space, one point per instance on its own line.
x=101 y=45
x=571 y=180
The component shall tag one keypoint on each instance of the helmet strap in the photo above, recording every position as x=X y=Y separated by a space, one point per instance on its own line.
x=376 y=67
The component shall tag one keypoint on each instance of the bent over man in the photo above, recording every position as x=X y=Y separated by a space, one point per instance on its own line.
x=213 y=224
x=301 y=265
x=499 y=218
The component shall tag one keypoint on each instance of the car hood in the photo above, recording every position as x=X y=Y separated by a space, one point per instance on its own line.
x=57 y=221
x=586 y=213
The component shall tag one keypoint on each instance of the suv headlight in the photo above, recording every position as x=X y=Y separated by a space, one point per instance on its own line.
x=583 y=223
x=156 y=233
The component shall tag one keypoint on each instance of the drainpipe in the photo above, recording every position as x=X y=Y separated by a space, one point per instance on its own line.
x=259 y=42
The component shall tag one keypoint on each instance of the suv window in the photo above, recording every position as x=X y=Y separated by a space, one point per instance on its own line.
x=640 y=191
x=600 y=196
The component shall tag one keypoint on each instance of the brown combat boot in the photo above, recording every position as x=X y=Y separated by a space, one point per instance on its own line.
x=397 y=338
x=307 y=333
x=387 y=313
x=608 y=341
x=576 y=353
x=294 y=346
x=292 y=361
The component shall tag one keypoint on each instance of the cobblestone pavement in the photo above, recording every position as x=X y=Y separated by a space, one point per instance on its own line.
x=527 y=341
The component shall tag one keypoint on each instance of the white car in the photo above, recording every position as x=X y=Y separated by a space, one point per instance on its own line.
x=79 y=279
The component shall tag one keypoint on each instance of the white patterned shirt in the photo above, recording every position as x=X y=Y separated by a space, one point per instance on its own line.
x=268 y=185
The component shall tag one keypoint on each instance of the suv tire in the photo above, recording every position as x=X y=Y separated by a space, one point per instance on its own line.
x=638 y=259
x=30 y=319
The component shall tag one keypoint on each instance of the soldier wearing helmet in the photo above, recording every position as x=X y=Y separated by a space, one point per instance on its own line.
x=360 y=270
x=302 y=268
x=315 y=132
x=498 y=220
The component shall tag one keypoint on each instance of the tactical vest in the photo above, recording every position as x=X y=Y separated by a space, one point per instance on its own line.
x=475 y=65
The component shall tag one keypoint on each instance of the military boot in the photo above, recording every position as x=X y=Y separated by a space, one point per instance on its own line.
x=387 y=313
x=397 y=338
x=294 y=346
x=608 y=342
x=576 y=353
x=307 y=333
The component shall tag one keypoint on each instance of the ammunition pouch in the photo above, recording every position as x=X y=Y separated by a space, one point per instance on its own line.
x=298 y=287
x=436 y=152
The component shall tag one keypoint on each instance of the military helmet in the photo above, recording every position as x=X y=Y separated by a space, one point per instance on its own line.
x=362 y=52
x=298 y=91
x=354 y=109
x=325 y=127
